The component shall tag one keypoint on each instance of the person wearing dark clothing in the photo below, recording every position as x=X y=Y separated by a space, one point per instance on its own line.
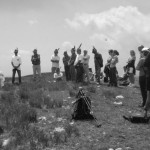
x=130 y=67
x=71 y=65
x=35 y=59
x=142 y=76
x=16 y=63
x=107 y=66
x=113 y=69
x=66 y=59
x=147 y=65
x=79 y=66
x=98 y=60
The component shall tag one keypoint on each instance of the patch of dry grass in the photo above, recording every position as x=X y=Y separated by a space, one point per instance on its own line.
x=52 y=99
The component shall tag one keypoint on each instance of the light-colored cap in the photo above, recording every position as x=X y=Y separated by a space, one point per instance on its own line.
x=145 y=49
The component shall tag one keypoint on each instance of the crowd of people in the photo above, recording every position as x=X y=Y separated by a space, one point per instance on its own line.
x=76 y=68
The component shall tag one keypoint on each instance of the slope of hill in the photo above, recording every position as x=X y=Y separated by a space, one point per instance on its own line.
x=37 y=115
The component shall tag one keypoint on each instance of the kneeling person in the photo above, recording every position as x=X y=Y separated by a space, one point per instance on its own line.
x=58 y=76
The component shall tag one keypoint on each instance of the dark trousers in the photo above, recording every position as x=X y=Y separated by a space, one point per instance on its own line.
x=142 y=82
x=98 y=72
x=67 y=73
x=80 y=73
x=113 y=77
x=72 y=73
x=13 y=75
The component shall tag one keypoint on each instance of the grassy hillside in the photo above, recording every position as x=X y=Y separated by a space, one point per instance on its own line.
x=36 y=116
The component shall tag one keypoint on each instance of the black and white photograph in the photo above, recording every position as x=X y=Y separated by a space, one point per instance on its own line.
x=74 y=75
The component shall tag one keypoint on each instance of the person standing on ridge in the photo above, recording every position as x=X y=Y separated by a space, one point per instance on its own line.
x=35 y=59
x=16 y=63
x=86 y=59
x=66 y=59
x=55 y=61
x=98 y=60
x=71 y=64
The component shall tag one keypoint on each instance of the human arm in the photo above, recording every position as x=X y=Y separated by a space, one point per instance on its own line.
x=140 y=64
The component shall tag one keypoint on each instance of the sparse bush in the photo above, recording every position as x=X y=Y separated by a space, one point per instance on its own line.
x=24 y=93
x=36 y=99
x=72 y=93
x=91 y=89
x=108 y=93
x=71 y=130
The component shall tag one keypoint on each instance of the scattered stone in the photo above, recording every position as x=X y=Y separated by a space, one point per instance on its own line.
x=119 y=149
x=119 y=97
x=118 y=103
x=42 y=118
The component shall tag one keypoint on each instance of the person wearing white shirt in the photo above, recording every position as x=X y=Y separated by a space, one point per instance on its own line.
x=86 y=58
x=16 y=63
x=79 y=66
x=2 y=79
x=55 y=61
x=58 y=75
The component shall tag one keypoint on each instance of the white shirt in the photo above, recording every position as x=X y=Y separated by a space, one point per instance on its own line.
x=2 y=79
x=56 y=76
x=78 y=58
x=86 y=59
x=16 y=60
x=54 y=64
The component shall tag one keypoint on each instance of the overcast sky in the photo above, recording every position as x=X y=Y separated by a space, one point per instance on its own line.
x=50 y=24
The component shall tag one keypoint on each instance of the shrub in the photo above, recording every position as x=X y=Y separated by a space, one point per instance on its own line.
x=36 y=99
x=108 y=93
x=91 y=89
x=72 y=93
x=71 y=130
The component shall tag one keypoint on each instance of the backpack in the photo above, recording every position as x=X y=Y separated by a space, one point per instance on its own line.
x=82 y=108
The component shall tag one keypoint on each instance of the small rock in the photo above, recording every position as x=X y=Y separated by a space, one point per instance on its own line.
x=119 y=149
x=119 y=97
x=118 y=103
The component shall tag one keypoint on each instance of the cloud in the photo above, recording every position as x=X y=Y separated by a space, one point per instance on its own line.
x=123 y=27
x=67 y=45
x=32 y=22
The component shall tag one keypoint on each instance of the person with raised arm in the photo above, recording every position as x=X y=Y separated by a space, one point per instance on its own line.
x=71 y=64
x=98 y=60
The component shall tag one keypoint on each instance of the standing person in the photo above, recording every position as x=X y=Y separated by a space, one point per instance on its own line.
x=107 y=66
x=140 y=49
x=66 y=59
x=71 y=64
x=131 y=67
x=55 y=61
x=86 y=58
x=147 y=65
x=79 y=66
x=35 y=59
x=2 y=79
x=142 y=75
x=98 y=60
x=16 y=63
x=113 y=69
